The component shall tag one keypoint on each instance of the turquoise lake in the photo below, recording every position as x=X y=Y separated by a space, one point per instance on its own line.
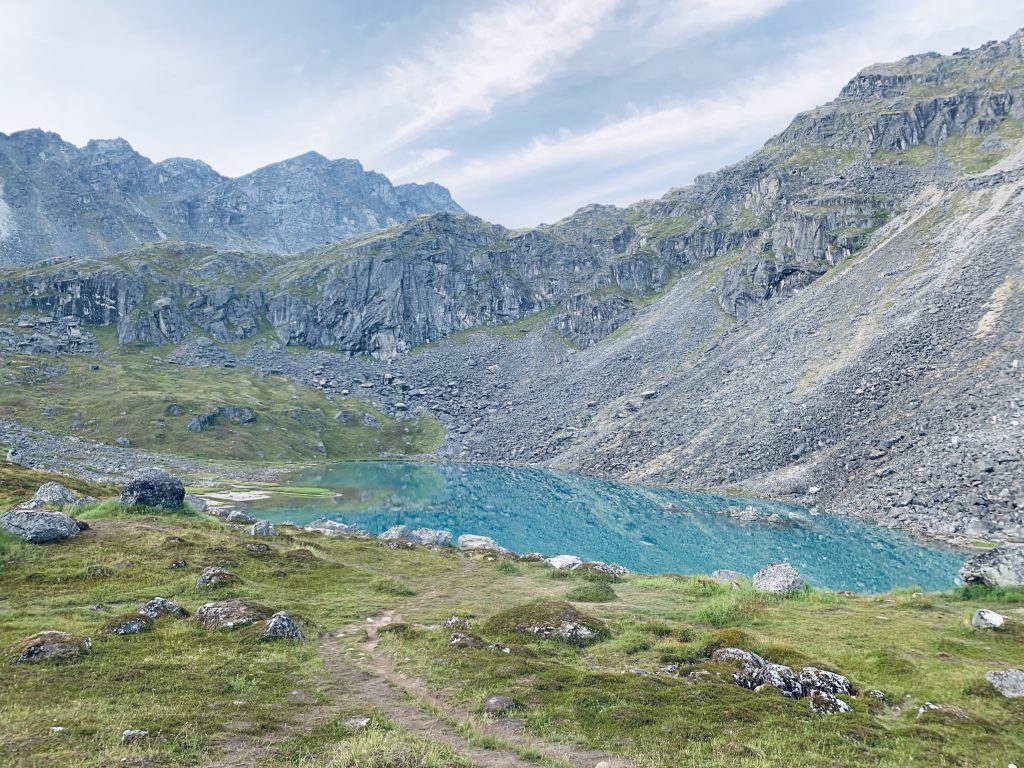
x=534 y=510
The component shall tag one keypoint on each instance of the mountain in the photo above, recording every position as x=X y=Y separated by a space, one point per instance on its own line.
x=836 y=319
x=59 y=200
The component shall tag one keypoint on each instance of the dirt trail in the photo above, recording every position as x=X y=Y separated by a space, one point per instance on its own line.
x=374 y=683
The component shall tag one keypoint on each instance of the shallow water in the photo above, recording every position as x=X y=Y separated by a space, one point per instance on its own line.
x=533 y=510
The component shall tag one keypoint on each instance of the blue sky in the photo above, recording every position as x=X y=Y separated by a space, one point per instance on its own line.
x=525 y=109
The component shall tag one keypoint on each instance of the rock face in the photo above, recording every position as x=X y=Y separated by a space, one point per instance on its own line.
x=56 y=198
x=39 y=527
x=154 y=487
x=231 y=614
x=1009 y=682
x=52 y=646
x=999 y=567
x=779 y=578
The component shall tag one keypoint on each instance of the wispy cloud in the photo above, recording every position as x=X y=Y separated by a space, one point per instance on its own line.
x=500 y=52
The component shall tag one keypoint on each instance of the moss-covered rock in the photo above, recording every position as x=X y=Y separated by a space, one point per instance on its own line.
x=550 y=620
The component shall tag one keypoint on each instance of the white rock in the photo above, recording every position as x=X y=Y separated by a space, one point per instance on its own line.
x=986 y=619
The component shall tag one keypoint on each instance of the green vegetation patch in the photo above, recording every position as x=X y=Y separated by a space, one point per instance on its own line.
x=599 y=592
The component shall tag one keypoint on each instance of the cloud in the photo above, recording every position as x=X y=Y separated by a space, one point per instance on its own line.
x=679 y=19
x=421 y=160
x=504 y=51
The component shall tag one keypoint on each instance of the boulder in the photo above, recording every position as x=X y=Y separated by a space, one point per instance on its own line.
x=727 y=577
x=332 y=528
x=396 y=532
x=240 y=517
x=814 y=679
x=778 y=578
x=737 y=655
x=471 y=541
x=52 y=646
x=51 y=496
x=986 y=619
x=563 y=562
x=282 y=627
x=262 y=528
x=216 y=577
x=154 y=487
x=1002 y=566
x=231 y=614
x=38 y=527
x=550 y=620
x=825 y=703
x=598 y=571
x=777 y=676
x=134 y=735
x=457 y=622
x=257 y=548
x=430 y=537
x=465 y=640
x=1009 y=682
x=14 y=456
x=161 y=606
x=198 y=503
x=497 y=706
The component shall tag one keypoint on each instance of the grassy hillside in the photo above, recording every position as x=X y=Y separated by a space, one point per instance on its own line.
x=207 y=696
x=129 y=397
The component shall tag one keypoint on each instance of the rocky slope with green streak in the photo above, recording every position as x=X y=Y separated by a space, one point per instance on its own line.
x=834 y=319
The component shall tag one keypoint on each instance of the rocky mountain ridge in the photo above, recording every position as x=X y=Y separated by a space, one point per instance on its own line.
x=59 y=200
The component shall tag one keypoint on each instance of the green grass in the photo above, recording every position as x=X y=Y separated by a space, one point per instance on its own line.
x=129 y=396
x=181 y=682
x=19 y=483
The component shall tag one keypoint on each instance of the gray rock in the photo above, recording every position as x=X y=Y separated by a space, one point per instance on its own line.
x=134 y=736
x=52 y=496
x=825 y=703
x=733 y=655
x=396 y=532
x=560 y=562
x=198 y=503
x=332 y=528
x=778 y=578
x=153 y=487
x=282 y=627
x=429 y=537
x=986 y=619
x=128 y=625
x=262 y=528
x=38 y=527
x=14 y=456
x=231 y=614
x=822 y=680
x=239 y=517
x=161 y=606
x=1009 y=682
x=499 y=706
x=215 y=577
x=727 y=577
x=1002 y=566
x=471 y=541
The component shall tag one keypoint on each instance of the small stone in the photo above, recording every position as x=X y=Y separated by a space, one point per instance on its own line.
x=128 y=625
x=132 y=736
x=282 y=627
x=257 y=548
x=464 y=640
x=357 y=723
x=38 y=527
x=179 y=564
x=496 y=706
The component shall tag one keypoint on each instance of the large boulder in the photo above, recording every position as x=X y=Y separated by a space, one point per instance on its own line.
x=51 y=496
x=999 y=567
x=154 y=487
x=564 y=562
x=39 y=527
x=1009 y=682
x=231 y=614
x=52 y=646
x=778 y=578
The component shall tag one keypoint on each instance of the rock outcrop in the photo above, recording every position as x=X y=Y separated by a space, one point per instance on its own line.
x=1002 y=566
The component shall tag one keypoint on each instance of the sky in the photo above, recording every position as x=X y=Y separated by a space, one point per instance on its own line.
x=525 y=109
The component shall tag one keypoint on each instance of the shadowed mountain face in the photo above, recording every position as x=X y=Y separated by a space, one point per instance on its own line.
x=59 y=200
x=836 y=319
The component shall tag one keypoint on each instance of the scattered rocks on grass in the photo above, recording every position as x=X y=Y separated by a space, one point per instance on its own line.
x=1009 y=682
x=257 y=548
x=778 y=578
x=550 y=620
x=465 y=640
x=282 y=627
x=216 y=577
x=52 y=646
x=132 y=624
x=38 y=527
x=457 y=622
x=153 y=487
x=499 y=706
x=986 y=619
x=816 y=679
x=1002 y=566
x=231 y=614
x=825 y=703
x=930 y=712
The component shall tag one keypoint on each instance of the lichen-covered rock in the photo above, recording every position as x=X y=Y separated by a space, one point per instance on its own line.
x=216 y=577
x=39 y=527
x=282 y=627
x=550 y=620
x=161 y=606
x=52 y=496
x=134 y=736
x=465 y=640
x=457 y=622
x=430 y=537
x=257 y=548
x=52 y=646
x=131 y=624
x=986 y=619
x=562 y=562
x=262 y=528
x=777 y=676
x=231 y=614
x=825 y=703
x=154 y=487
x=737 y=655
x=816 y=679
x=471 y=541
x=778 y=578
x=727 y=576
x=1009 y=682
x=1002 y=566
